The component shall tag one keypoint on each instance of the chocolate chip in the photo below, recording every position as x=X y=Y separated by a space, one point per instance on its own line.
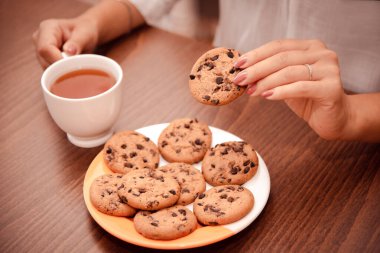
x=214 y=209
x=198 y=142
x=246 y=170
x=178 y=151
x=145 y=160
x=246 y=162
x=173 y=192
x=223 y=196
x=224 y=152
x=133 y=154
x=139 y=146
x=230 y=199
x=187 y=126
x=185 y=190
x=234 y=171
x=201 y=196
x=109 y=150
x=142 y=191
x=200 y=204
x=212 y=154
x=174 y=215
x=123 y=146
x=123 y=199
x=192 y=77
x=216 y=90
x=213 y=166
x=206 y=97
x=240 y=189
x=232 y=70
x=230 y=54
x=200 y=68
x=128 y=165
x=156 y=165
x=154 y=224
x=219 y=80
x=215 y=57
x=121 y=187
x=210 y=65
x=146 y=138
x=252 y=164
x=164 y=143
x=150 y=204
x=182 y=211
x=215 y=101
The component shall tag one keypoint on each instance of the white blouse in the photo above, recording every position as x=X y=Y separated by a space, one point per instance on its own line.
x=350 y=28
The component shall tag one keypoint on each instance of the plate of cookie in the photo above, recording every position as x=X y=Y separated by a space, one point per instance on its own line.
x=176 y=185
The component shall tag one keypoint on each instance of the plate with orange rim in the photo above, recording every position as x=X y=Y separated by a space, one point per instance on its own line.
x=123 y=228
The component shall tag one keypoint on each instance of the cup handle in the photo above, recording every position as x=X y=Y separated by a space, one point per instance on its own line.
x=65 y=55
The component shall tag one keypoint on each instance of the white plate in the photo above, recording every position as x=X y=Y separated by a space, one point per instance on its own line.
x=123 y=228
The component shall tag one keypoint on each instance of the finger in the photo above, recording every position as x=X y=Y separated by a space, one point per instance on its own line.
x=48 y=42
x=77 y=41
x=270 y=49
x=273 y=64
x=44 y=64
x=288 y=75
x=301 y=89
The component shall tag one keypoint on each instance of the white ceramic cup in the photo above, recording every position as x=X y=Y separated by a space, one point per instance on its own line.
x=89 y=121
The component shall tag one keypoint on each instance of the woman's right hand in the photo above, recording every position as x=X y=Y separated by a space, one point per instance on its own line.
x=72 y=36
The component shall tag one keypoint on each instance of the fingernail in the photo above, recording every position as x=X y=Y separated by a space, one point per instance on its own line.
x=267 y=94
x=251 y=89
x=240 y=62
x=240 y=77
x=70 y=49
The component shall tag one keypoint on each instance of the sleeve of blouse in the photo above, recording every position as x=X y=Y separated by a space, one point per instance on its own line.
x=153 y=10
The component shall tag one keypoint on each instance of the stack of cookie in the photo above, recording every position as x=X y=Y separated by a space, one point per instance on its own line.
x=161 y=199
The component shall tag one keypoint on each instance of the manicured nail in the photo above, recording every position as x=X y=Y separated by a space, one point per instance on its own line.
x=240 y=77
x=251 y=89
x=267 y=94
x=240 y=62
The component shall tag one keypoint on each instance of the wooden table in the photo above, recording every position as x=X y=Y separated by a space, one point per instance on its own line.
x=325 y=195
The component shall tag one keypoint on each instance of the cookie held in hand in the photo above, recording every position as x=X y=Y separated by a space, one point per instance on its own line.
x=211 y=77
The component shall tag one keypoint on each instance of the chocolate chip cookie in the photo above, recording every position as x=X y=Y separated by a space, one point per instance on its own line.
x=230 y=163
x=104 y=197
x=128 y=150
x=166 y=224
x=149 y=190
x=185 y=140
x=223 y=204
x=189 y=178
x=211 y=77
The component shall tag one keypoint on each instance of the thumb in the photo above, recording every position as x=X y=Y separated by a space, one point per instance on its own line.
x=76 y=42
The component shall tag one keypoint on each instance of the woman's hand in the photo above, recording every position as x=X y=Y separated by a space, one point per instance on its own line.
x=72 y=36
x=303 y=73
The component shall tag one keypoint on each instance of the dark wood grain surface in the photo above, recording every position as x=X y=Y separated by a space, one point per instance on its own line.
x=325 y=195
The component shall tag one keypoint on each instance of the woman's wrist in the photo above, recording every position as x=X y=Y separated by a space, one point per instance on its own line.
x=363 y=121
x=104 y=15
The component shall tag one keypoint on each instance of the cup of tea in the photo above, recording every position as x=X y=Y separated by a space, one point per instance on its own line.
x=83 y=94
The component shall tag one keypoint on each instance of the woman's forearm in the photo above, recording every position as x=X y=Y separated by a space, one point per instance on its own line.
x=113 y=18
